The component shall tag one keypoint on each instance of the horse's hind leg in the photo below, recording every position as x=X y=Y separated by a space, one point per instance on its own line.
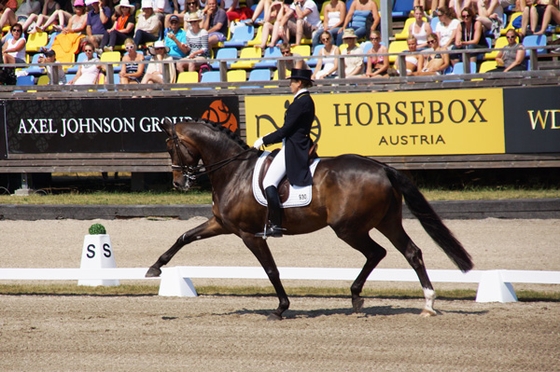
x=413 y=255
x=373 y=252
x=208 y=229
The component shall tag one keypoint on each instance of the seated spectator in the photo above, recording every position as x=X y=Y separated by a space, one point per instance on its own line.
x=131 y=71
x=13 y=48
x=49 y=56
x=122 y=29
x=305 y=20
x=154 y=72
x=296 y=61
x=490 y=14
x=412 y=56
x=88 y=73
x=98 y=22
x=276 y=25
x=431 y=62
x=430 y=5
x=533 y=16
x=215 y=21
x=353 y=66
x=234 y=11
x=446 y=28
x=26 y=10
x=66 y=22
x=176 y=39
x=356 y=19
x=8 y=13
x=420 y=29
x=333 y=18
x=162 y=8
x=148 y=24
x=262 y=6
x=37 y=20
x=512 y=58
x=327 y=63
x=469 y=35
x=197 y=45
x=377 y=63
x=551 y=13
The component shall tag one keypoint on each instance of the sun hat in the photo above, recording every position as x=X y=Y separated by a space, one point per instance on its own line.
x=78 y=3
x=193 y=17
x=301 y=74
x=124 y=3
x=90 y=2
x=147 y=4
x=349 y=34
x=158 y=44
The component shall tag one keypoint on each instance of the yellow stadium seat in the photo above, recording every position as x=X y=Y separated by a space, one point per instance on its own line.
x=512 y=18
x=302 y=50
x=403 y=35
x=186 y=77
x=247 y=58
x=43 y=80
x=36 y=41
x=487 y=66
x=236 y=76
x=501 y=42
x=397 y=46
x=257 y=39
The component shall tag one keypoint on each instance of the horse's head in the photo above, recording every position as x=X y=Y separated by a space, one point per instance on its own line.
x=183 y=156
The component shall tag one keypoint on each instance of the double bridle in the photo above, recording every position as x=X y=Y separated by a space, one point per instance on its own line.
x=192 y=172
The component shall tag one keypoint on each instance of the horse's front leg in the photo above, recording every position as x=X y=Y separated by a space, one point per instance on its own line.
x=208 y=229
x=260 y=249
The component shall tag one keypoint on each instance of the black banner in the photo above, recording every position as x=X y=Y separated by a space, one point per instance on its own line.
x=103 y=125
x=532 y=120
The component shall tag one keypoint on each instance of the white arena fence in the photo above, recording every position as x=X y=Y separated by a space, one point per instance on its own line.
x=493 y=285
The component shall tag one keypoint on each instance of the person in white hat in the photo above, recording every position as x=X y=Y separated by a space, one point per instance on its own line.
x=148 y=24
x=197 y=45
x=98 y=22
x=123 y=27
x=353 y=66
x=154 y=72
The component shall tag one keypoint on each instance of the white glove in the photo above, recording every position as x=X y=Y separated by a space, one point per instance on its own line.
x=258 y=143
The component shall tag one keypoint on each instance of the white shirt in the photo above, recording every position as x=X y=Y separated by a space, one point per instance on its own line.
x=313 y=18
x=445 y=32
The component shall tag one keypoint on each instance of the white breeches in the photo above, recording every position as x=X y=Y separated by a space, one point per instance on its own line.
x=276 y=171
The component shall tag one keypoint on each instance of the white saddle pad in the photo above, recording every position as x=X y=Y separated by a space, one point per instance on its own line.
x=300 y=196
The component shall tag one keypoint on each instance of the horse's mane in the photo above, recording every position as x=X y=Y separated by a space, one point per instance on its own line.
x=220 y=128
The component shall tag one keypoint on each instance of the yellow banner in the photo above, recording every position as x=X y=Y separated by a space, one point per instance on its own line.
x=445 y=122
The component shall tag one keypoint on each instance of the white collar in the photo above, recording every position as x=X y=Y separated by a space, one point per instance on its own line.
x=301 y=91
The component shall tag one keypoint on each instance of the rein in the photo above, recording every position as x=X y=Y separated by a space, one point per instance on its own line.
x=190 y=172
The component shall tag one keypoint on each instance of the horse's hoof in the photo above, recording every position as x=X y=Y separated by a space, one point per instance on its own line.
x=153 y=272
x=274 y=316
x=358 y=304
x=427 y=313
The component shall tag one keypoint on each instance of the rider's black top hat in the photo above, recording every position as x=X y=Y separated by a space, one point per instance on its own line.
x=300 y=74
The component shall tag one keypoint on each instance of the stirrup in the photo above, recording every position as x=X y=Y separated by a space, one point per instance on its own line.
x=274 y=231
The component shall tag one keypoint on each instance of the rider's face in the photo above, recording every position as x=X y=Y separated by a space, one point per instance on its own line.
x=295 y=85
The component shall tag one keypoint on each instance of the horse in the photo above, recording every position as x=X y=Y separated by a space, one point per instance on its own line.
x=351 y=194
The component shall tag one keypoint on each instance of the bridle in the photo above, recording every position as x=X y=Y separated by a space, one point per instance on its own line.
x=192 y=172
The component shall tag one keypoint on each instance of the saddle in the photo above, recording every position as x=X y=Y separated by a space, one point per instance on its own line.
x=284 y=185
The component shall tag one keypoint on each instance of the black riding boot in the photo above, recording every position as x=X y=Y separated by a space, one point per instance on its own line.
x=274 y=226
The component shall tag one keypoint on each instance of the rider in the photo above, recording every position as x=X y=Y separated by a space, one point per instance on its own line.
x=293 y=157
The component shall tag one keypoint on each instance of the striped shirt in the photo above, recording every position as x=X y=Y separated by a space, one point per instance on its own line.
x=198 y=42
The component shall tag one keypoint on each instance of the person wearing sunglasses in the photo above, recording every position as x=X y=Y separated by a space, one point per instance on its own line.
x=512 y=58
x=377 y=63
x=131 y=71
x=88 y=73
x=327 y=62
x=197 y=45
x=123 y=27
x=215 y=21
x=333 y=17
x=154 y=71
x=176 y=38
x=13 y=49
x=469 y=35
x=446 y=28
x=430 y=62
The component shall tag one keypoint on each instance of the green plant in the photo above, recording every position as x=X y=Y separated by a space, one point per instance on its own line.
x=97 y=229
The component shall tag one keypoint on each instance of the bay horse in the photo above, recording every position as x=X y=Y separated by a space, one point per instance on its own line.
x=352 y=194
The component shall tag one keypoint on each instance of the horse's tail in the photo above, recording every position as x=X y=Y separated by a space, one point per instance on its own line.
x=419 y=206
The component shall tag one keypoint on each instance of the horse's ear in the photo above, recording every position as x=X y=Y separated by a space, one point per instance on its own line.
x=167 y=126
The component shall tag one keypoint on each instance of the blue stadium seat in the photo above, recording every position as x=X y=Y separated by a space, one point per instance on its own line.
x=402 y=8
x=224 y=53
x=25 y=80
x=313 y=61
x=270 y=52
x=242 y=35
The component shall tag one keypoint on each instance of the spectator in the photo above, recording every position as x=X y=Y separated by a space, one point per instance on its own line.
x=49 y=8
x=353 y=66
x=357 y=19
x=431 y=62
x=88 y=73
x=533 y=15
x=76 y=23
x=420 y=29
x=296 y=61
x=377 y=63
x=491 y=15
x=411 y=59
x=13 y=48
x=122 y=29
x=50 y=57
x=333 y=17
x=305 y=20
x=162 y=8
x=197 y=45
x=446 y=28
x=98 y=22
x=327 y=62
x=431 y=5
x=176 y=39
x=28 y=9
x=8 y=10
x=262 y=6
x=148 y=24
x=215 y=22
x=512 y=58
x=234 y=11
x=131 y=71
x=551 y=12
x=275 y=25
x=154 y=72
x=469 y=35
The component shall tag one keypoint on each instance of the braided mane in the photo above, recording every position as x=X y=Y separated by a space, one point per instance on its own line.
x=217 y=127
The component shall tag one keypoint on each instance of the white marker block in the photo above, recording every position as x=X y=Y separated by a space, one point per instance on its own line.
x=97 y=253
x=174 y=284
